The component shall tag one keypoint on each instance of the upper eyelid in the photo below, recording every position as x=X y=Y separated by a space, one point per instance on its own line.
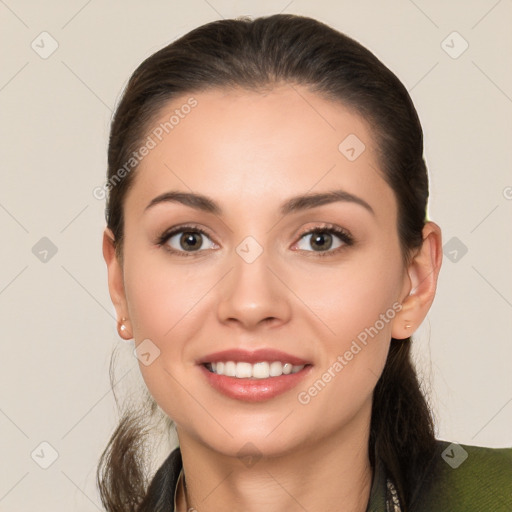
x=324 y=227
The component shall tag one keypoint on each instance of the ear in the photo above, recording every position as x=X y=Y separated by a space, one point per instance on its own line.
x=116 y=285
x=420 y=287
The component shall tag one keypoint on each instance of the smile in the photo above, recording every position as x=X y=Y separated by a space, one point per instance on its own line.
x=253 y=375
x=259 y=370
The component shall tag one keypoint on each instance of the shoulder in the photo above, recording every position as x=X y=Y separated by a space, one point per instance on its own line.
x=467 y=478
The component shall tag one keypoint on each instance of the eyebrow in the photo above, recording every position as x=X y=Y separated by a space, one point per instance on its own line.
x=294 y=204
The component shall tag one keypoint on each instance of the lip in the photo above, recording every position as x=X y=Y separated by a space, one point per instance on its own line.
x=253 y=357
x=253 y=390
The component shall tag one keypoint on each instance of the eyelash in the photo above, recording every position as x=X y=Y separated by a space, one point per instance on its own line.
x=342 y=234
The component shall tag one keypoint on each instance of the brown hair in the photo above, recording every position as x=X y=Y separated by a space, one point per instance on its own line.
x=256 y=55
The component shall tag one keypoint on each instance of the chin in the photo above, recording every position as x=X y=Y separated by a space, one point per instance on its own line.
x=268 y=439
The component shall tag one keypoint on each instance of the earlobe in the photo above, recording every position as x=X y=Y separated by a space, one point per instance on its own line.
x=423 y=272
x=124 y=330
x=116 y=284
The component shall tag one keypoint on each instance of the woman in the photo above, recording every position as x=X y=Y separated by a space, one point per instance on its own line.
x=268 y=251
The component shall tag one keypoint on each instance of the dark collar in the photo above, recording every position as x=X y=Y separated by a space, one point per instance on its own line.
x=160 y=495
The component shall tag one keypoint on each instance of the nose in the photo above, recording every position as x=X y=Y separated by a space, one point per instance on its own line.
x=253 y=295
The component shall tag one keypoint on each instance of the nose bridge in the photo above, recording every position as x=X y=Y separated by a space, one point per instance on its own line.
x=252 y=293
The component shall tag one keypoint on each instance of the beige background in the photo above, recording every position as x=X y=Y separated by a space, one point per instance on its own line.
x=58 y=326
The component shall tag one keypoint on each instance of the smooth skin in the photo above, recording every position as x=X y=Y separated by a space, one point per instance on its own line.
x=250 y=152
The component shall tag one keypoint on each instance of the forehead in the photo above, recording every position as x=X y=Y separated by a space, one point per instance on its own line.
x=240 y=145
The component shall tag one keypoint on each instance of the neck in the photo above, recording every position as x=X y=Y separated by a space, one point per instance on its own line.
x=317 y=478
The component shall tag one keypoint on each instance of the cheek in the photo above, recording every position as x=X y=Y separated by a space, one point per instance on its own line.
x=357 y=303
x=163 y=297
x=354 y=296
x=167 y=306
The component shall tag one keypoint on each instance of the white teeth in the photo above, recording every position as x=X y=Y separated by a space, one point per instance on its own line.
x=287 y=368
x=229 y=369
x=260 y=370
x=276 y=368
x=243 y=370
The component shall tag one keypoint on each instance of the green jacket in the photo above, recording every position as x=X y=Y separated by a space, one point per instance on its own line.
x=462 y=478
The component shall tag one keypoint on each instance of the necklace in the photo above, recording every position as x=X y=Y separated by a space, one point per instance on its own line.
x=392 y=501
x=180 y=496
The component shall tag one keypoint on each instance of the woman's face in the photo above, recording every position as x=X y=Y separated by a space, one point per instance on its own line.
x=255 y=277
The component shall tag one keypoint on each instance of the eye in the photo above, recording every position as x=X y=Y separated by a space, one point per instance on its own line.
x=325 y=240
x=184 y=240
x=187 y=240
